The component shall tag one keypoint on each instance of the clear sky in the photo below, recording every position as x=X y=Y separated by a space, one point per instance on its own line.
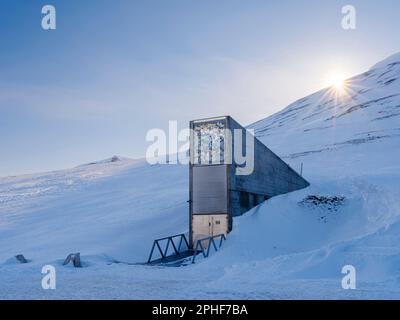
x=114 y=69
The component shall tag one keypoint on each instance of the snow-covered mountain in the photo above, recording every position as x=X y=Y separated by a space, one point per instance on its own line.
x=366 y=111
x=292 y=246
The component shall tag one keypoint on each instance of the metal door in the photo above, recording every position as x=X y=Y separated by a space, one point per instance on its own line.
x=209 y=225
x=210 y=189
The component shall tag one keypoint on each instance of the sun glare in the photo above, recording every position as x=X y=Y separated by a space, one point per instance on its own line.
x=336 y=80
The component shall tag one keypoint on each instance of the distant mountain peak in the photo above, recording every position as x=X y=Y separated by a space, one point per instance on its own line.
x=108 y=160
x=115 y=159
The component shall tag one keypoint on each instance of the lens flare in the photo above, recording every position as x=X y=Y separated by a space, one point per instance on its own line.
x=336 y=80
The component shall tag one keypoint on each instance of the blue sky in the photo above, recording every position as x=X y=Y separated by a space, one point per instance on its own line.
x=112 y=70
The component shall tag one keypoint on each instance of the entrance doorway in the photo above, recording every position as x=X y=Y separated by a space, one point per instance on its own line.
x=205 y=225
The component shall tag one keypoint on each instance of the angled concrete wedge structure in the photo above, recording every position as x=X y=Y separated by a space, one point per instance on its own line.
x=222 y=184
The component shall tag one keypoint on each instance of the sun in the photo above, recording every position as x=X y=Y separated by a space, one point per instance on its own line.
x=336 y=80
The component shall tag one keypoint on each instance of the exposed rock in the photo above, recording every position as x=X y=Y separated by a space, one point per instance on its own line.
x=326 y=202
x=75 y=258
x=21 y=258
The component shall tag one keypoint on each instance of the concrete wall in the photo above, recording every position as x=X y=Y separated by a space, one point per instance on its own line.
x=271 y=177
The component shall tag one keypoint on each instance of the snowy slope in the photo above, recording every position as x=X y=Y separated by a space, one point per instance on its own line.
x=366 y=112
x=101 y=207
x=285 y=248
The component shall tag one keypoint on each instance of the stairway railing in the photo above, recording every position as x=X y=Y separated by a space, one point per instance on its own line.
x=167 y=241
x=211 y=241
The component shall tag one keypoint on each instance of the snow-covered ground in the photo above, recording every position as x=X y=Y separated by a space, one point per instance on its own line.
x=288 y=247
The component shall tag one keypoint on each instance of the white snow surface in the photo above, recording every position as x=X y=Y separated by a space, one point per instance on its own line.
x=349 y=144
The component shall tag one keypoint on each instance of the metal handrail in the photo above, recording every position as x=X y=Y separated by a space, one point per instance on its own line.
x=163 y=253
x=206 y=251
